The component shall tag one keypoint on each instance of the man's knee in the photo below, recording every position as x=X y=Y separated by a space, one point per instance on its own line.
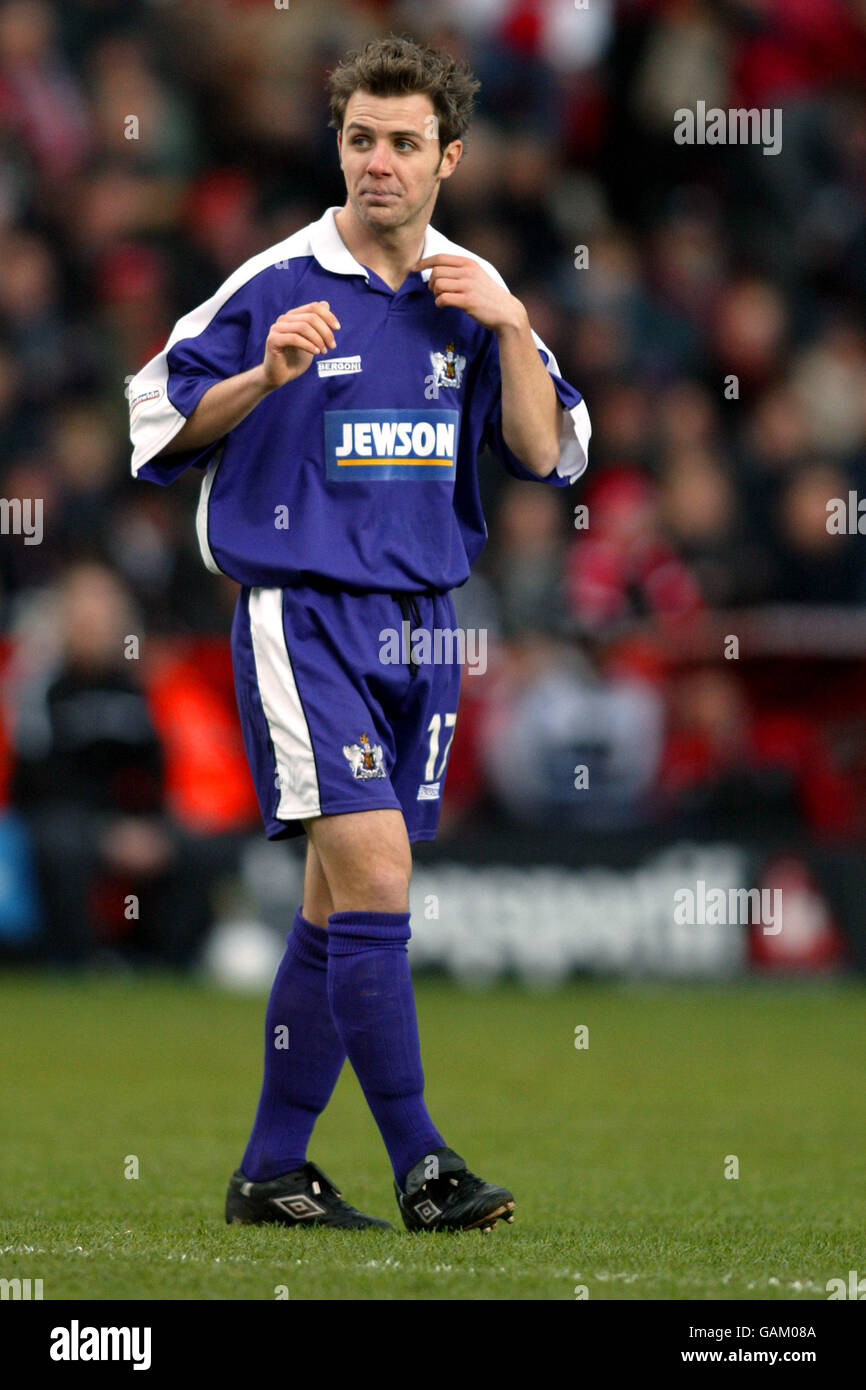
x=377 y=884
x=366 y=860
x=379 y=888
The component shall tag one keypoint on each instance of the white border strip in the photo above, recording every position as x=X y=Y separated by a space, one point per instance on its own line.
x=284 y=712
x=154 y=421
x=201 y=513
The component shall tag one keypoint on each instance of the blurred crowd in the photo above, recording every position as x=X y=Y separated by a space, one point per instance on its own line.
x=707 y=300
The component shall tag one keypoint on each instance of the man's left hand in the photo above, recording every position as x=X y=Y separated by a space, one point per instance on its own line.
x=459 y=282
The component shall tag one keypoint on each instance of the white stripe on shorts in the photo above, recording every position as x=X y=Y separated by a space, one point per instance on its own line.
x=201 y=513
x=295 y=772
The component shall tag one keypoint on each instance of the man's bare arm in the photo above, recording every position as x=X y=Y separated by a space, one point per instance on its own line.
x=294 y=340
x=221 y=407
x=531 y=412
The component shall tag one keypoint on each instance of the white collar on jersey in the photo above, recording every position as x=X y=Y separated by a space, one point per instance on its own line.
x=333 y=254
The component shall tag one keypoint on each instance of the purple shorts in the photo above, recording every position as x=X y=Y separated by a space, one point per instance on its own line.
x=336 y=716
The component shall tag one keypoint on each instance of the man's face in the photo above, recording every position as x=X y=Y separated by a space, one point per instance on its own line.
x=392 y=162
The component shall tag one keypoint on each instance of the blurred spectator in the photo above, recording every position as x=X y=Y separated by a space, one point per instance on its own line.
x=559 y=742
x=829 y=381
x=31 y=312
x=136 y=115
x=813 y=563
x=623 y=569
x=688 y=417
x=526 y=559
x=778 y=430
x=750 y=333
x=728 y=770
x=89 y=780
x=701 y=514
x=623 y=420
x=40 y=101
x=82 y=454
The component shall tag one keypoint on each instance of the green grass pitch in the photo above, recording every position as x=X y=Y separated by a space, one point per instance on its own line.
x=616 y=1152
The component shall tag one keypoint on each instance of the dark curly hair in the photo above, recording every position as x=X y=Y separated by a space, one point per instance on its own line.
x=396 y=66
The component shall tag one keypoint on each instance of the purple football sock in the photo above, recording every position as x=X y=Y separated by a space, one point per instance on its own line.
x=299 y=1078
x=373 y=1004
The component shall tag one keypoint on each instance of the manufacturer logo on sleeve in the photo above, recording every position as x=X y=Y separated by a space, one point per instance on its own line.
x=145 y=397
x=363 y=445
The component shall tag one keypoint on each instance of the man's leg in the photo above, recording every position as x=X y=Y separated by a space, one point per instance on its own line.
x=318 y=903
x=303 y=1051
x=367 y=861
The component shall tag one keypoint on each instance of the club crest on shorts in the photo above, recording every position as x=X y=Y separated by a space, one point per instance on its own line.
x=365 y=758
x=447 y=367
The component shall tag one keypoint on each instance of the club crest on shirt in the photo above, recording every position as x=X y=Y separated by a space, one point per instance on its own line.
x=447 y=368
x=365 y=758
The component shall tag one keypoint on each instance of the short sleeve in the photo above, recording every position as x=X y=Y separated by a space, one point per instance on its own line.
x=575 y=430
x=206 y=346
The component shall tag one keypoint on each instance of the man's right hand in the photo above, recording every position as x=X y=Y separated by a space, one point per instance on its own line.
x=295 y=339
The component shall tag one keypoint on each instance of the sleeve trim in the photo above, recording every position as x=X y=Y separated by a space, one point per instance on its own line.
x=154 y=421
x=574 y=442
